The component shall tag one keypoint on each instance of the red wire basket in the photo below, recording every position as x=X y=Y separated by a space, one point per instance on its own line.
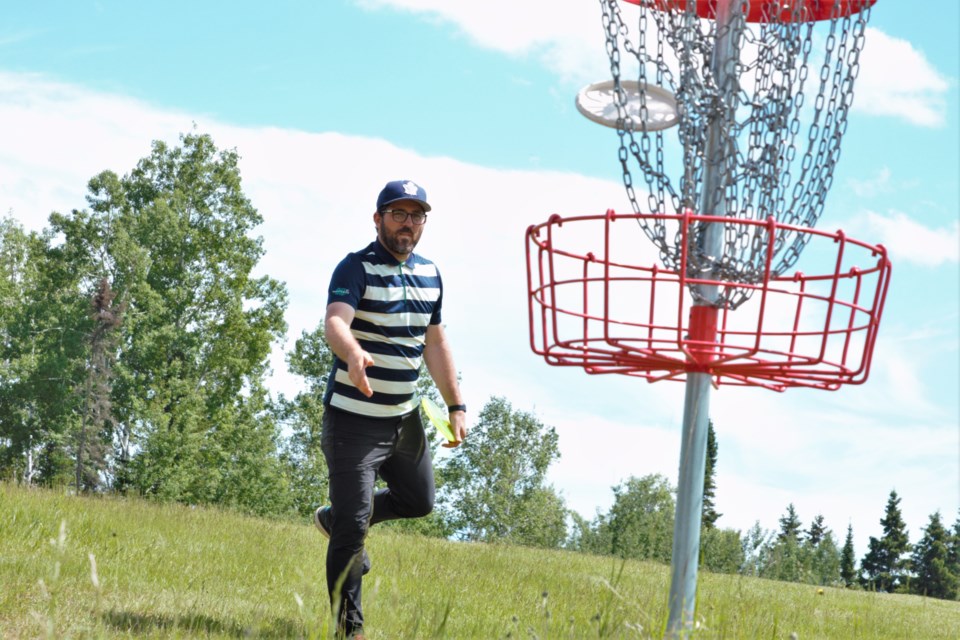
x=600 y=313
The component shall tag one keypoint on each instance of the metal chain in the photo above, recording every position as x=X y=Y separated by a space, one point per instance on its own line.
x=658 y=184
x=769 y=167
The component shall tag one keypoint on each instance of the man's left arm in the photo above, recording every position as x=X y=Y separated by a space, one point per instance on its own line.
x=439 y=360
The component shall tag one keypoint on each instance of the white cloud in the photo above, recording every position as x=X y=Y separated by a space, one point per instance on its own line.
x=870 y=187
x=907 y=239
x=58 y=136
x=506 y=25
x=895 y=78
x=568 y=40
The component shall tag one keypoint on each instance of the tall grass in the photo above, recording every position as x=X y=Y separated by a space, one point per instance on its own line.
x=116 y=568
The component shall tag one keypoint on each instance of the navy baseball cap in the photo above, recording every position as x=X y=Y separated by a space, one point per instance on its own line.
x=402 y=190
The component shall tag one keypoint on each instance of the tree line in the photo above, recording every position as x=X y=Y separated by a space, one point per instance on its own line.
x=135 y=359
x=931 y=567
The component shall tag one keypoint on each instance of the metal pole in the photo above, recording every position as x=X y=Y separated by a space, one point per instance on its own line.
x=696 y=408
x=686 y=528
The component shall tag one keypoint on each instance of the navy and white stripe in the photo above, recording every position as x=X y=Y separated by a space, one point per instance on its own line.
x=395 y=303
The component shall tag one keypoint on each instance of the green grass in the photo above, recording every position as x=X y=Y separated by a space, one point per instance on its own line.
x=168 y=571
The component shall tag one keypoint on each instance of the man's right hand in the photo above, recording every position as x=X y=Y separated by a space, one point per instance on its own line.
x=357 y=370
x=337 y=329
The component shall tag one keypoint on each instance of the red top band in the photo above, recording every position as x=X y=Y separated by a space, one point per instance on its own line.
x=769 y=10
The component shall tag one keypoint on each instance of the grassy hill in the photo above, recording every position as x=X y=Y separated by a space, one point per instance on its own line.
x=110 y=568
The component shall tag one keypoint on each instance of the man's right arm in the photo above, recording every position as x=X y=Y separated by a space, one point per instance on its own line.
x=336 y=327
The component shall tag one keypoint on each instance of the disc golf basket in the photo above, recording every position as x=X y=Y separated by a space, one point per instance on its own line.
x=758 y=93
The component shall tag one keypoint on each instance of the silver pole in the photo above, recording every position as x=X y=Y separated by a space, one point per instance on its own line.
x=686 y=528
x=696 y=408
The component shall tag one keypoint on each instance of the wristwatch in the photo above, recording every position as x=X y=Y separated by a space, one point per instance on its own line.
x=456 y=407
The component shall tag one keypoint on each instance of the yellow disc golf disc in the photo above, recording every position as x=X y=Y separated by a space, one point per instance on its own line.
x=438 y=418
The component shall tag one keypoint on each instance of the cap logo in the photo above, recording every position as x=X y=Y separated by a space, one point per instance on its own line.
x=410 y=188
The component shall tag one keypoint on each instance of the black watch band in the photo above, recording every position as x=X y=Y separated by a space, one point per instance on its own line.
x=456 y=407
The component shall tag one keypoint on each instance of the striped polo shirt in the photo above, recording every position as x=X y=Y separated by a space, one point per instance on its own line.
x=394 y=302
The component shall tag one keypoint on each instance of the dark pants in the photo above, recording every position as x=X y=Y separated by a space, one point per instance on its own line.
x=357 y=449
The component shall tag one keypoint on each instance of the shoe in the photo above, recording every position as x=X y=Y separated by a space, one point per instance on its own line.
x=321 y=519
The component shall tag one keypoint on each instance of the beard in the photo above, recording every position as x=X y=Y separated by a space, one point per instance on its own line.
x=401 y=242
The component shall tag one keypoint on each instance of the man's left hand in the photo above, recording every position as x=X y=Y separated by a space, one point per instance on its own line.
x=458 y=424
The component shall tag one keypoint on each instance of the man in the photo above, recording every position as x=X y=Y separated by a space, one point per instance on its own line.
x=382 y=320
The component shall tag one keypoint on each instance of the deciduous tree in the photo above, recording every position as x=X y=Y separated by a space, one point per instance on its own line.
x=45 y=317
x=494 y=485
x=721 y=550
x=788 y=558
x=18 y=444
x=756 y=544
x=640 y=522
x=302 y=416
x=822 y=560
x=175 y=238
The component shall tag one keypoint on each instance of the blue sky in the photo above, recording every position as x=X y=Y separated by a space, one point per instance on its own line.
x=326 y=101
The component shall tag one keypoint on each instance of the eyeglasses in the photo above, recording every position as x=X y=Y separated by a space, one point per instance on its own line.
x=400 y=216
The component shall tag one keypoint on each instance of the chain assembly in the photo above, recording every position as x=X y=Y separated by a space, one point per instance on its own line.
x=765 y=124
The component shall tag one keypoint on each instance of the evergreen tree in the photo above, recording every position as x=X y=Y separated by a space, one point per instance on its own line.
x=816 y=531
x=848 y=570
x=96 y=428
x=934 y=576
x=885 y=566
x=710 y=515
x=953 y=548
x=790 y=525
